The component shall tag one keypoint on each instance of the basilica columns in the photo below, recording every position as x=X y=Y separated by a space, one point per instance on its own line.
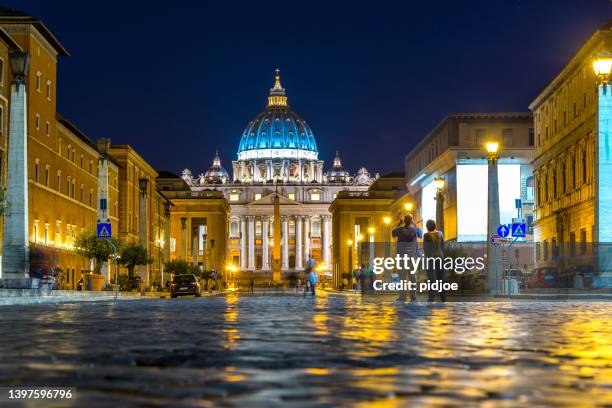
x=184 y=238
x=298 y=242
x=285 y=244
x=243 y=243
x=325 y=224
x=306 y=237
x=251 y=265
x=265 y=264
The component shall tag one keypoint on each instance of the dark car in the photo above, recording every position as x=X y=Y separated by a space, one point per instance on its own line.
x=544 y=278
x=185 y=285
x=44 y=276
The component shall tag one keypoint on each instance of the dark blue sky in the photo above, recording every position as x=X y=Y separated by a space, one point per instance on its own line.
x=181 y=79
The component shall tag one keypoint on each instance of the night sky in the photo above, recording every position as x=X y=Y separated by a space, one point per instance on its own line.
x=181 y=79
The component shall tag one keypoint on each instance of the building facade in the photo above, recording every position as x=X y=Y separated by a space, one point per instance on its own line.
x=277 y=154
x=454 y=151
x=566 y=118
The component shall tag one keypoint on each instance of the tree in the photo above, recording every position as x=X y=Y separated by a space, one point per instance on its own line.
x=181 y=267
x=90 y=246
x=133 y=255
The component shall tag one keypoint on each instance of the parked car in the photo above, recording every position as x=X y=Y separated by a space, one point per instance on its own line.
x=544 y=278
x=185 y=285
x=45 y=275
x=580 y=277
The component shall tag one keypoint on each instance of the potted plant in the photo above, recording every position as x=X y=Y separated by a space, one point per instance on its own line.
x=90 y=246
x=133 y=255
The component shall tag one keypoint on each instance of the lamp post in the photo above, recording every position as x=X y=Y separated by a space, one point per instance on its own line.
x=143 y=184
x=439 y=183
x=602 y=66
x=371 y=231
x=493 y=255
x=16 y=250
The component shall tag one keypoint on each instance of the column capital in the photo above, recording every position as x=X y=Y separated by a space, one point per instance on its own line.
x=298 y=217
x=250 y=218
x=183 y=222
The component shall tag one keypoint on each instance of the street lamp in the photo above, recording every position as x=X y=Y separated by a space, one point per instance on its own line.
x=493 y=257
x=20 y=62
x=439 y=184
x=408 y=206
x=602 y=67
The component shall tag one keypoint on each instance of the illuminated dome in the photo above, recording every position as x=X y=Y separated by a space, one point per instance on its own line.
x=277 y=132
x=216 y=174
x=338 y=174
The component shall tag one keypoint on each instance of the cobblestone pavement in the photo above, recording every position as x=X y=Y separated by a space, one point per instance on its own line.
x=333 y=350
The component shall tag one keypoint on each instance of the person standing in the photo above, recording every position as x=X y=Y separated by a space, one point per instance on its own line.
x=433 y=247
x=406 y=235
x=252 y=286
x=311 y=276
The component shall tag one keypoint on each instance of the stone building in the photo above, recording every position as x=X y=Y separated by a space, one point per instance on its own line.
x=566 y=117
x=277 y=153
x=454 y=150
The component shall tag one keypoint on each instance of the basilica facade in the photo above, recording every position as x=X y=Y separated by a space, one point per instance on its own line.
x=277 y=154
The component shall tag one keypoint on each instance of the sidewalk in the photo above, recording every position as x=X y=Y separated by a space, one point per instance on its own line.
x=33 y=296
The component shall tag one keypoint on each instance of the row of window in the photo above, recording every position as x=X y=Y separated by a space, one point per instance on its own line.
x=561 y=178
x=546 y=250
x=314 y=195
x=315 y=228
x=574 y=97
x=38 y=84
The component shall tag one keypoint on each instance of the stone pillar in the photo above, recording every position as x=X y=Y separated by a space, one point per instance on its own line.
x=15 y=246
x=325 y=241
x=195 y=243
x=243 y=243
x=298 y=243
x=103 y=204
x=166 y=241
x=306 y=238
x=143 y=270
x=265 y=262
x=251 y=220
x=184 y=238
x=299 y=170
x=285 y=244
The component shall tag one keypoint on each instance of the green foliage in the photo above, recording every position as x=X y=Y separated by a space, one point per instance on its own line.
x=133 y=255
x=181 y=267
x=90 y=246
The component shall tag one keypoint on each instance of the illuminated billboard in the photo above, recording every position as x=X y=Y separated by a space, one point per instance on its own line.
x=472 y=198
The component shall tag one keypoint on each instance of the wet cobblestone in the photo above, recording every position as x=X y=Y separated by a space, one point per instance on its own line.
x=333 y=350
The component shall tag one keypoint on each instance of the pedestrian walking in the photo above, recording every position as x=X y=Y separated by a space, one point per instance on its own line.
x=433 y=248
x=406 y=234
x=311 y=275
x=252 y=286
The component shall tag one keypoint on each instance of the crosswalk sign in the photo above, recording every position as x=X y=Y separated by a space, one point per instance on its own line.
x=519 y=229
x=104 y=230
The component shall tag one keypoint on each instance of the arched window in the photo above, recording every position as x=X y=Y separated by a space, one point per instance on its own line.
x=234 y=228
x=316 y=228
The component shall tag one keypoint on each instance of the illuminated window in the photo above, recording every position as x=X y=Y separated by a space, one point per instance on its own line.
x=234 y=197
x=48 y=89
x=172 y=244
x=291 y=196
x=38 y=74
x=37 y=121
x=47 y=128
x=36 y=172
x=257 y=196
x=315 y=196
x=234 y=228
x=257 y=227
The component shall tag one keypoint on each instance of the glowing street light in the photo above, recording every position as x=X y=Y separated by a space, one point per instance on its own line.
x=408 y=206
x=371 y=230
x=492 y=148
x=602 y=67
x=387 y=220
x=439 y=183
x=493 y=255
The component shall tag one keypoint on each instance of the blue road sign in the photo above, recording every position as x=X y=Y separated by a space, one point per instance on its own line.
x=104 y=230
x=519 y=229
x=503 y=231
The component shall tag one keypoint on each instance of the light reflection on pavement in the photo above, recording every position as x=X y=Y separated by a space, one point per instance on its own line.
x=329 y=351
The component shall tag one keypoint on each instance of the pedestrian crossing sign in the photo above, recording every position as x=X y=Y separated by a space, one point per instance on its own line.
x=104 y=230
x=519 y=229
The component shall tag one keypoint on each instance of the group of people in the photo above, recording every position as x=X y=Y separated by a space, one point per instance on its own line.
x=407 y=235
